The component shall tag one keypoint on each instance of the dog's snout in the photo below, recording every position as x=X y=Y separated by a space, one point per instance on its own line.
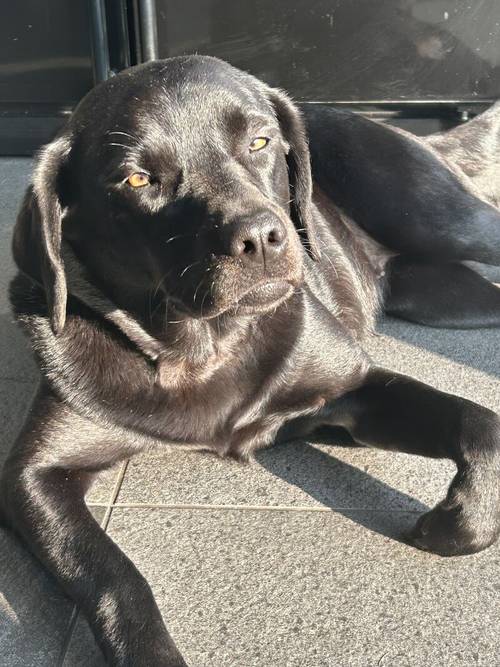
x=258 y=239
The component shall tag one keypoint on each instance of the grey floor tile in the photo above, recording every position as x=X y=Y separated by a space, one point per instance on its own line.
x=103 y=489
x=15 y=401
x=460 y=362
x=15 y=174
x=293 y=474
x=259 y=588
x=34 y=613
x=491 y=273
x=16 y=360
x=98 y=512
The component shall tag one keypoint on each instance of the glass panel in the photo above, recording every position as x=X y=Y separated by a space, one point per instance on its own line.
x=44 y=52
x=347 y=50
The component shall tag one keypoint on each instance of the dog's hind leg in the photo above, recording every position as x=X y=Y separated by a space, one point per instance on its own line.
x=474 y=148
x=450 y=296
x=42 y=494
x=401 y=189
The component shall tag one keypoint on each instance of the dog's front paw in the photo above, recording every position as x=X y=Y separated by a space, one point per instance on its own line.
x=455 y=528
x=441 y=532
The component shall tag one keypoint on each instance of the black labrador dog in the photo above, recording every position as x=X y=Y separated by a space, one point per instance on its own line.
x=180 y=283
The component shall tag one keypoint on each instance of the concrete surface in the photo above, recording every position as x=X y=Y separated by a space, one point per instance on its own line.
x=294 y=560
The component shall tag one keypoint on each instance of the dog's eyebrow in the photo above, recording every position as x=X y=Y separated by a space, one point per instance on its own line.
x=240 y=120
x=258 y=118
x=121 y=138
x=125 y=134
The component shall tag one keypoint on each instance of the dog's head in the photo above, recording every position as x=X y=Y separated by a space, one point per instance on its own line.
x=184 y=180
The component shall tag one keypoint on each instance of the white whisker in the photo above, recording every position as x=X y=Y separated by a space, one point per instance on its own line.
x=189 y=266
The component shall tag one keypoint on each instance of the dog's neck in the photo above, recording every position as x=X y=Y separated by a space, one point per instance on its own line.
x=183 y=348
x=195 y=349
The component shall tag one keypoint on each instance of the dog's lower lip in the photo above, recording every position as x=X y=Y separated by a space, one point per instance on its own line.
x=266 y=293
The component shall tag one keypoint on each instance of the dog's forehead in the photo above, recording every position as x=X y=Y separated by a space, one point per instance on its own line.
x=194 y=95
x=198 y=107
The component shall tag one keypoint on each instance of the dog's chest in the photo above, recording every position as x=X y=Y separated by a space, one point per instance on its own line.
x=242 y=406
x=317 y=374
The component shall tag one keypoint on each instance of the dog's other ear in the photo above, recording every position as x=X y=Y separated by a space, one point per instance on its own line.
x=37 y=235
x=299 y=168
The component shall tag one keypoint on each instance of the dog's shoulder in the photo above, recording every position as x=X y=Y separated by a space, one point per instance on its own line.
x=88 y=356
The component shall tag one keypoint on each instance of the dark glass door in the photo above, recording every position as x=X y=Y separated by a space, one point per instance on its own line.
x=347 y=50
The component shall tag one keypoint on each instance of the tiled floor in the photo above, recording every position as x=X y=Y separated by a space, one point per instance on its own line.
x=294 y=560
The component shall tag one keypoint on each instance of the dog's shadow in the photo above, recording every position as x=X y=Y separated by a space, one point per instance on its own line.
x=342 y=487
x=471 y=348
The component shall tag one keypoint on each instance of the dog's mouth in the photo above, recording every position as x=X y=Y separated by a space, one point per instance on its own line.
x=264 y=297
x=258 y=299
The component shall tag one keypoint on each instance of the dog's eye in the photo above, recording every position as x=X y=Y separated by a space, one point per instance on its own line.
x=138 y=180
x=258 y=144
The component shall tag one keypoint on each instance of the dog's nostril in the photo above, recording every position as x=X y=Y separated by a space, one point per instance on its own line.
x=248 y=247
x=256 y=240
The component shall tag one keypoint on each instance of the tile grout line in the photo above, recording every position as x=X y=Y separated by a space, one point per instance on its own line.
x=254 y=508
x=114 y=495
x=104 y=525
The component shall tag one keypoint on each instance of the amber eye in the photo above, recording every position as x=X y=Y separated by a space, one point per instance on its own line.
x=258 y=144
x=138 y=180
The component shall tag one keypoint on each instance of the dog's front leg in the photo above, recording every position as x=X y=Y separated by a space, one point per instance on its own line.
x=392 y=411
x=42 y=491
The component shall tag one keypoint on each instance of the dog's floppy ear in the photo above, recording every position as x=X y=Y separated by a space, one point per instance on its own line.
x=37 y=235
x=299 y=167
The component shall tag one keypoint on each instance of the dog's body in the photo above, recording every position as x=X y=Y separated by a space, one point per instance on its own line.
x=431 y=202
x=176 y=303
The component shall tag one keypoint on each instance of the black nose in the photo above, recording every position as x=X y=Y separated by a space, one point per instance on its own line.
x=257 y=239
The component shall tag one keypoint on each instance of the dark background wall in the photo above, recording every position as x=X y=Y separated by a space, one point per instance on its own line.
x=432 y=61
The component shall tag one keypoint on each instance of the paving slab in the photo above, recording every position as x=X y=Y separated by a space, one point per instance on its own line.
x=254 y=588
x=295 y=474
x=460 y=362
x=15 y=400
x=15 y=174
x=16 y=362
x=103 y=489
